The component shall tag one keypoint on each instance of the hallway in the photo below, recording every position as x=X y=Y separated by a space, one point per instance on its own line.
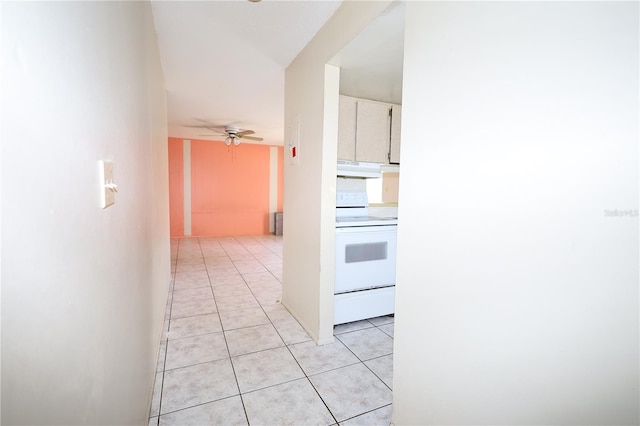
x=232 y=354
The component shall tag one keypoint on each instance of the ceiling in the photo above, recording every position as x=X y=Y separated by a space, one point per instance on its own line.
x=224 y=61
x=371 y=65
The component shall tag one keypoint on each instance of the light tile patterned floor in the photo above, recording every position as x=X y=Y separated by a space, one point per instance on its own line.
x=233 y=355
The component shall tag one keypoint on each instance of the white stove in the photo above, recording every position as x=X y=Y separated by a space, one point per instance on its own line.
x=352 y=209
x=349 y=221
x=365 y=260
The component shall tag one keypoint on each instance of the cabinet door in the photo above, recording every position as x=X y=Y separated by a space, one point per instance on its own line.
x=394 y=151
x=373 y=131
x=347 y=129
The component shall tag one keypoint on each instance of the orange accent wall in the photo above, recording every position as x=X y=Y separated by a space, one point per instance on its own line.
x=176 y=188
x=229 y=188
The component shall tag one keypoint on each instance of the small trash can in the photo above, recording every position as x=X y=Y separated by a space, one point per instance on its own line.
x=278 y=223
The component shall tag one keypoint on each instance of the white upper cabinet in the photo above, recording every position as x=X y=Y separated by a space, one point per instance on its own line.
x=368 y=131
x=372 y=132
x=347 y=128
x=394 y=150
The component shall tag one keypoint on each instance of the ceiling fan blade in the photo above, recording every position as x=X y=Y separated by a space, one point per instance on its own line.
x=228 y=131
x=202 y=127
x=213 y=129
x=207 y=123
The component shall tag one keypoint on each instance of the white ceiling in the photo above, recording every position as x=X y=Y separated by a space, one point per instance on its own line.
x=371 y=65
x=224 y=61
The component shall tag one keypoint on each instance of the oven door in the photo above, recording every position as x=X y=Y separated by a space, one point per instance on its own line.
x=365 y=257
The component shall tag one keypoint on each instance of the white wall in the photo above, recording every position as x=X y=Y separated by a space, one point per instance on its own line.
x=517 y=296
x=311 y=94
x=83 y=289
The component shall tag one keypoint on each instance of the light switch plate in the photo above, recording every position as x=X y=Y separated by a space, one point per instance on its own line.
x=107 y=195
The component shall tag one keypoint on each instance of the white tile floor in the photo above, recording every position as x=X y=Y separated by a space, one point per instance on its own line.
x=233 y=355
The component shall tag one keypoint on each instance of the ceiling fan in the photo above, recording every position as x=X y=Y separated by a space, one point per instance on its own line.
x=231 y=134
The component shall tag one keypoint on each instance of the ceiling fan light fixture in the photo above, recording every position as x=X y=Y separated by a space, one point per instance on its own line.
x=236 y=141
x=227 y=141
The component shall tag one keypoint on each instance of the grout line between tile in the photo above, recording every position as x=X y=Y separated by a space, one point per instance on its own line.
x=367 y=412
x=246 y=244
x=235 y=376
x=199 y=404
x=302 y=369
x=288 y=349
x=166 y=346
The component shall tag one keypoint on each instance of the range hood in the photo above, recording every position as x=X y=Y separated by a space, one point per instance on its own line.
x=359 y=169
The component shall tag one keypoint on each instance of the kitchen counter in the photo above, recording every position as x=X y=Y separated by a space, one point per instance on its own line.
x=383 y=209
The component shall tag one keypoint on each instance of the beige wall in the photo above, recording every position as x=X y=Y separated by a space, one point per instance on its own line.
x=83 y=289
x=311 y=98
x=517 y=293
